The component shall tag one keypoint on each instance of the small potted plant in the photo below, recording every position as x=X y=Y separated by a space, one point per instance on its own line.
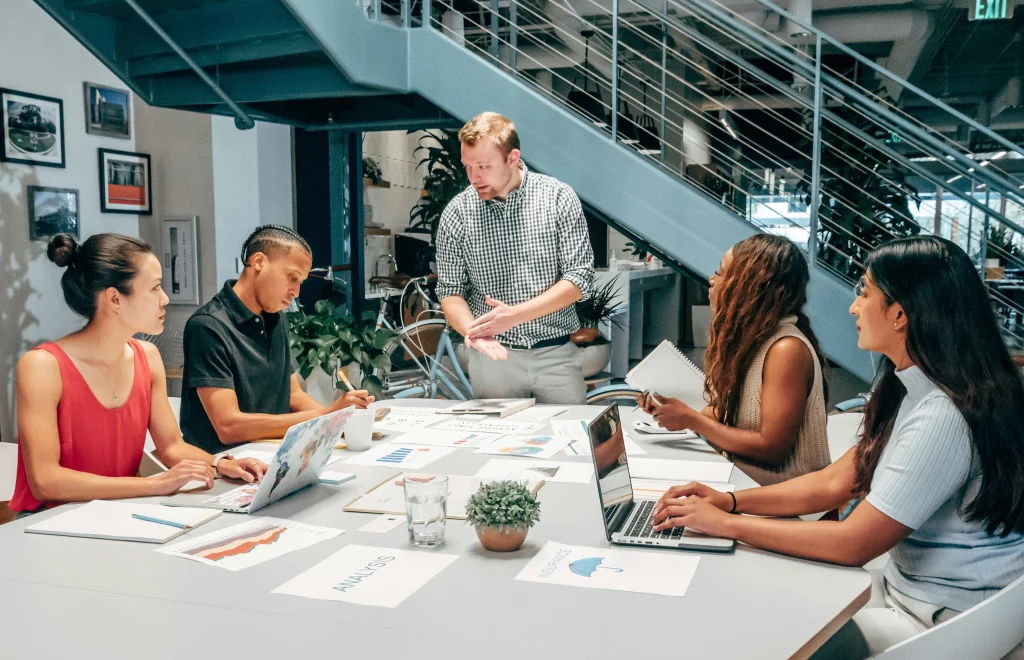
x=597 y=350
x=502 y=512
x=322 y=343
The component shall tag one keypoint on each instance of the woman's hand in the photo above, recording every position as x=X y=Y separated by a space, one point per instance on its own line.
x=173 y=480
x=671 y=414
x=248 y=470
x=694 y=513
x=718 y=499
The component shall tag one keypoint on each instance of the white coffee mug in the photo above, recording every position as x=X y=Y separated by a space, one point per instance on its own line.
x=359 y=430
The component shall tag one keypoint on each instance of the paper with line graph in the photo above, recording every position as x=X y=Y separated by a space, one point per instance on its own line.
x=411 y=457
x=250 y=543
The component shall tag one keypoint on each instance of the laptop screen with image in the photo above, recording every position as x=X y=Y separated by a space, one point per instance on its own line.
x=608 y=447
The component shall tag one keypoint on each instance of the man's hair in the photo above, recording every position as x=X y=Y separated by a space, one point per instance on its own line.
x=491 y=126
x=272 y=237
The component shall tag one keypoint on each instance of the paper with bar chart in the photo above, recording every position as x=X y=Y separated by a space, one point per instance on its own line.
x=411 y=457
x=250 y=543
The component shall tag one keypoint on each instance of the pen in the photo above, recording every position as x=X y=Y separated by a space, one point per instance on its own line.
x=344 y=379
x=139 y=516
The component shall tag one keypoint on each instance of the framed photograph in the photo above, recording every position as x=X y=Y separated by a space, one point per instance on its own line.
x=33 y=129
x=52 y=211
x=179 y=248
x=108 y=111
x=125 y=182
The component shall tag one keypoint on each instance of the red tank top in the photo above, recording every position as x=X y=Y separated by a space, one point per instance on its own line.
x=93 y=438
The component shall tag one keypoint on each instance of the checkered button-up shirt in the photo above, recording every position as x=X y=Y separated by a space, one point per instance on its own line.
x=515 y=250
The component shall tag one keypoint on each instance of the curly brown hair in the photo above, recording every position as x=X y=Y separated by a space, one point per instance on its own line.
x=766 y=282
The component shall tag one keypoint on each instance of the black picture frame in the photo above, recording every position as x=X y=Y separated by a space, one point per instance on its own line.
x=108 y=111
x=20 y=142
x=118 y=196
x=53 y=211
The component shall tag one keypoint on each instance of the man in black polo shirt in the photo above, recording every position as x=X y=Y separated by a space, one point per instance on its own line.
x=239 y=381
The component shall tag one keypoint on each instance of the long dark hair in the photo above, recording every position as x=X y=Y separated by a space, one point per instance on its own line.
x=767 y=281
x=101 y=262
x=953 y=338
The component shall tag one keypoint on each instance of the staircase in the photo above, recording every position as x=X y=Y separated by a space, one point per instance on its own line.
x=722 y=129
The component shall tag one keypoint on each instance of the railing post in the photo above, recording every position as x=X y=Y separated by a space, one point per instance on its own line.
x=406 y=14
x=425 y=19
x=513 y=37
x=494 y=29
x=376 y=10
x=983 y=255
x=664 y=82
x=812 y=238
x=615 y=70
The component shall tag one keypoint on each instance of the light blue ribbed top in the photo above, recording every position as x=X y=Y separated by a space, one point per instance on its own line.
x=925 y=477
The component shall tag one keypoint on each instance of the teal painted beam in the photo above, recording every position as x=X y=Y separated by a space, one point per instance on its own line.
x=220 y=23
x=369 y=52
x=299 y=43
x=262 y=84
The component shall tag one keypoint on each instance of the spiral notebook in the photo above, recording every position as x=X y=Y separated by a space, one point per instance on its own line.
x=668 y=372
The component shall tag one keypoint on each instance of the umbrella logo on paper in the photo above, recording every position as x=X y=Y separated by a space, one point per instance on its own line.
x=587 y=567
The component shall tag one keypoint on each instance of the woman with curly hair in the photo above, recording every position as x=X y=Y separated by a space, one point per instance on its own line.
x=765 y=384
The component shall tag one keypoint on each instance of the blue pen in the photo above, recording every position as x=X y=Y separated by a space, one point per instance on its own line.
x=139 y=516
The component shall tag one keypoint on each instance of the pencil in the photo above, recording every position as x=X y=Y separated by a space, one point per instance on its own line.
x=344 y=379
x=161 y=521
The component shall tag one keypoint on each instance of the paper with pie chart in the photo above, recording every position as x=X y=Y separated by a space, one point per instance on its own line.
x=617 y=569
x=411 y=457
x=530 y=446
x=250 y=543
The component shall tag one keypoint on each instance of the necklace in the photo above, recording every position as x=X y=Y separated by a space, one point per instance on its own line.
x=120 y=375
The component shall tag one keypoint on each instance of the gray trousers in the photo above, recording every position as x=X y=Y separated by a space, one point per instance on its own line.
x=551 y=375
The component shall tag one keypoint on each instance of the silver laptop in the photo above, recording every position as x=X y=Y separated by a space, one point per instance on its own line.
x=628 y=521
x=299 y=462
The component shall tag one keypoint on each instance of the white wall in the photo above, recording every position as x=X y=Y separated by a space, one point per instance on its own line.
x=32 y=307
x=182 y=187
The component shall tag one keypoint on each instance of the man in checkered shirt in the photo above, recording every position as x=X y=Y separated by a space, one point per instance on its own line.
x=513 y=258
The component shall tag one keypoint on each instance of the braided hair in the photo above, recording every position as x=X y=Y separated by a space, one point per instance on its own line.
x=268 y=237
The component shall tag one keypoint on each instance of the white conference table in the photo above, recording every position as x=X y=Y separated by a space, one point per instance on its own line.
x=88 y=598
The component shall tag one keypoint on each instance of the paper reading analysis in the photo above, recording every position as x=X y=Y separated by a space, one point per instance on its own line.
x=357 y=578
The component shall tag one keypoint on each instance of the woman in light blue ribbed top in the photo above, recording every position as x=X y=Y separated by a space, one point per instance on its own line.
x=940 y=466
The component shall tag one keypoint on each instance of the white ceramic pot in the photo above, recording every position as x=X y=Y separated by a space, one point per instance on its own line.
x=595 y=358
x=320 y=387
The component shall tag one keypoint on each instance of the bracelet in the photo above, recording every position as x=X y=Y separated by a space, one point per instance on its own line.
x=733 y=496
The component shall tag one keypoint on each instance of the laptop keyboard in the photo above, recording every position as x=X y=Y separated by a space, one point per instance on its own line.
x=643 y=524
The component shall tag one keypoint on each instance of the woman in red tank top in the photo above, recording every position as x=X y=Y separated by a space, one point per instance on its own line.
x=86 y=400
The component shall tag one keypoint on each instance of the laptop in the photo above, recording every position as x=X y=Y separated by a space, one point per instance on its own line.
x=299 y=462
x=628 y=521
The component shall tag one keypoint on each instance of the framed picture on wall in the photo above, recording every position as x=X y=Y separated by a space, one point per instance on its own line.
x=33 y=128
x=108 y=111
x=126 y=180
x=52 y=211
x=179 y=255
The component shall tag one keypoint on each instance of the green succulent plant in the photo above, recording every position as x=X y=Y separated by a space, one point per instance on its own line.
x=503 y=505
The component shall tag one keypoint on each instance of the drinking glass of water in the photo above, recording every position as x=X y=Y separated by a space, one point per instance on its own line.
x=426 y=506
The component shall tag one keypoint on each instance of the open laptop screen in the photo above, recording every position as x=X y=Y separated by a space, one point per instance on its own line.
x=609 y=451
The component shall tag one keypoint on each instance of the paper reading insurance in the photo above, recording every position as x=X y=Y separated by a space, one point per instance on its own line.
x=366 y=575
x=612 y=568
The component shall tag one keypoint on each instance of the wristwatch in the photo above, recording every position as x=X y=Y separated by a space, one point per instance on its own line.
x=218 y=458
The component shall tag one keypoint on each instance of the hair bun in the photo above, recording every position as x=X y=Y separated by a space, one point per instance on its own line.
x=62 y=249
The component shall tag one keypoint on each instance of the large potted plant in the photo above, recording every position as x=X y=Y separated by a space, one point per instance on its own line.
x=446 y=177
x=502 y=512
x=594 y=311
x=322 y=343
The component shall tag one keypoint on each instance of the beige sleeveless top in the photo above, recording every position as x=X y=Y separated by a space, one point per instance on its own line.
x=810 y=453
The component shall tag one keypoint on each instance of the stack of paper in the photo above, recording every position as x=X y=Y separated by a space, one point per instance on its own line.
x=101 y=519
x=680 y=471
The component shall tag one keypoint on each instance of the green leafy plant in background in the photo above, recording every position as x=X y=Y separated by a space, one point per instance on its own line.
x=599 y=306
x=1002 y=245
x=503 y=505
x=372 y=171
x=639 y=249
x=324 y=340
x=446 y=178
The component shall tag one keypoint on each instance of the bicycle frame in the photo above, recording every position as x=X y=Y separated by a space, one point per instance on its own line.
x=437 y=373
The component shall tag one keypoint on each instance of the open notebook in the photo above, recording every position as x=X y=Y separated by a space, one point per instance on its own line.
x=100 y=519
x=668 y=372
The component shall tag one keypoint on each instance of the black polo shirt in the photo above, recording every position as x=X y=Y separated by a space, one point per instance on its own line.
x=229 y=347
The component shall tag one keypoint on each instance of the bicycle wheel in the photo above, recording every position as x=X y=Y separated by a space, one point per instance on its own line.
x=622 y=394
x=412 y=356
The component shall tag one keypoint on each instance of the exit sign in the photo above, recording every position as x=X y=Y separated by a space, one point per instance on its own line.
x=988 y=10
